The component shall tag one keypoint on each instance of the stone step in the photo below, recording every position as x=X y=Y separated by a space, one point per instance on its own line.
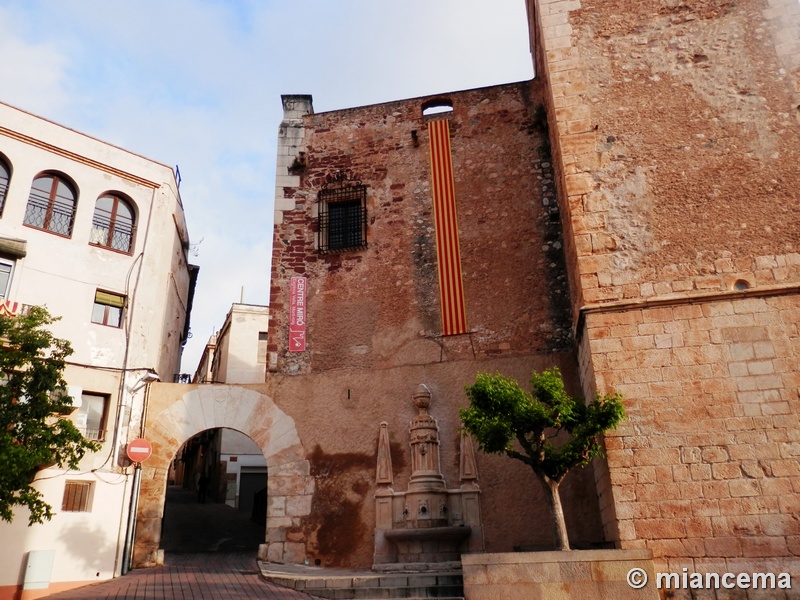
x=372 y=586
x=389 y=594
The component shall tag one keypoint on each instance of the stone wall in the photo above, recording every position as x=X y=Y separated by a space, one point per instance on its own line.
x=674 y=135
x=559 y=575
x=705 y=469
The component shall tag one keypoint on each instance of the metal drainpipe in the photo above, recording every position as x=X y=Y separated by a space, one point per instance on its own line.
x=131 y=529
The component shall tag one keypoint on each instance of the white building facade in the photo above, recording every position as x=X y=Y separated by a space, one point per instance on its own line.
x=97 y=235
x=237 y=354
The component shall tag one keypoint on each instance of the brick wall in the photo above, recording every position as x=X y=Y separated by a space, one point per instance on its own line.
x=367 y=305
x=374 y=330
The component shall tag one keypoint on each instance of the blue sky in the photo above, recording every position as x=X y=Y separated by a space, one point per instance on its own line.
x=197 y=83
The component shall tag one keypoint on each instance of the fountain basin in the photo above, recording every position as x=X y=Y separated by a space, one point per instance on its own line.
x=428 y=544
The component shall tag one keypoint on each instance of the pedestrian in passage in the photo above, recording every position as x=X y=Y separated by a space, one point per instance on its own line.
x=202 y=486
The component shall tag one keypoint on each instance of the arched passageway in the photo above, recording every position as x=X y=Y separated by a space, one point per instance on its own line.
x=177 y=413
x=216 y=497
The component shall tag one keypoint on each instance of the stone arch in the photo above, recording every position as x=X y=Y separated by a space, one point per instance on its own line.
x=290 y=486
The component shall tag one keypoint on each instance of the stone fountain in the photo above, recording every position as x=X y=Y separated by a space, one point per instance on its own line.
x=428 y=526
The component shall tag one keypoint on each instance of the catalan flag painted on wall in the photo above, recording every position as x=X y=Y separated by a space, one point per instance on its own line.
x=448 y=253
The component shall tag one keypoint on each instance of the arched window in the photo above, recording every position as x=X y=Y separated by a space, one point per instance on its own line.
x=113 y=223
x=437 y=106
x=51 y=204
x=5 y=175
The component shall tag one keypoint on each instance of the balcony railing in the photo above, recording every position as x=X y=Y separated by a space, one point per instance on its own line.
x=96 y=435
x=12 y=309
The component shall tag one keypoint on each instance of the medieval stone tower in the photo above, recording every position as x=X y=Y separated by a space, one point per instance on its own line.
x=674 y=129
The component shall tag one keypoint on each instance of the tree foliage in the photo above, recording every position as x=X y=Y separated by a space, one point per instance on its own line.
x=547 y=429
x=33 y=432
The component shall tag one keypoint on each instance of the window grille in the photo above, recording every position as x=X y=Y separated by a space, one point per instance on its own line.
x=342 y=218
x=76 y=496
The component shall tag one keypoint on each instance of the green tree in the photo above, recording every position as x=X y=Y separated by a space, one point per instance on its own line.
x=33 y=432
x=549 y=430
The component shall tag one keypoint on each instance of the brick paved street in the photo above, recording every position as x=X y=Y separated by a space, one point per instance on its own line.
x=206 y=576
x=210 y=555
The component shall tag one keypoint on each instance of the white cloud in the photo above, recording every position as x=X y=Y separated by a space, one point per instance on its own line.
x=32 y=73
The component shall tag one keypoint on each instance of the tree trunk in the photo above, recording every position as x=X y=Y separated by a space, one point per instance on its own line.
x=556 y=511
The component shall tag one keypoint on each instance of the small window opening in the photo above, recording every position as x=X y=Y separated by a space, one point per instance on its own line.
x=90 y=418
x=741 y=285
x=437 y=107
x=107 y=309
x=342 y=218
x=6 y=271
x=262 y=348
x=76 y=496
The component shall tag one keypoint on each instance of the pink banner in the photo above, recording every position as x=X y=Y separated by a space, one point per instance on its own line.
x=297 y=314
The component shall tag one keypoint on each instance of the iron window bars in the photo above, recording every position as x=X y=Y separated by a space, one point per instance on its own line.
x=51 y=205
x=112 y=224
x=342 y=218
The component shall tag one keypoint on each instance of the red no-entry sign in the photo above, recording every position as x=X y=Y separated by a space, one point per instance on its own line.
x=139 y=450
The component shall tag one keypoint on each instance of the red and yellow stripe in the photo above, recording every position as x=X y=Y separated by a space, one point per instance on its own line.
x=448 y=253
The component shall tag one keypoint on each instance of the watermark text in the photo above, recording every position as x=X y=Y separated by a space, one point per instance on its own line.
x=687 y=580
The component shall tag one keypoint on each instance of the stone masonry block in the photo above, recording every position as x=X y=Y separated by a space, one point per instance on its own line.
x=577 y=143
x=716 y=489
x=298 y=506
x=551 y=20
x=760 y=367
x=559 y=6
x=715 y=454
x=723 y=547
x=726 y=471
x=556 y=43
x=700 y=472
x=690 y=455
x=660 y=528
x=744 y=487
x=275 y=552
x=642 y=342
x=764 y=546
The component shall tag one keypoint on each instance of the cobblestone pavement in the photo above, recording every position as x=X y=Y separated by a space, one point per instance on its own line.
x=206 y=576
